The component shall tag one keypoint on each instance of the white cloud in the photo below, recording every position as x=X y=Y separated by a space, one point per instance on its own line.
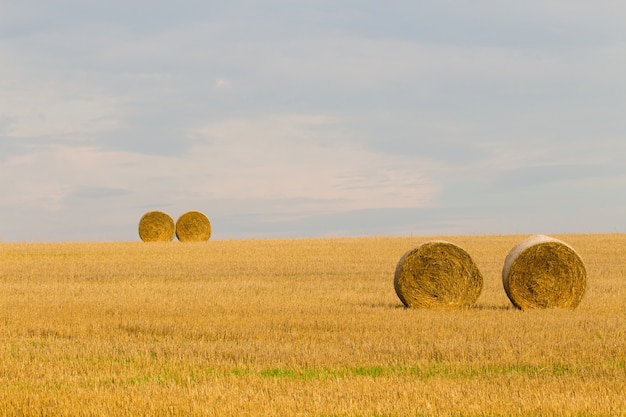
x=222 y=84
x=148 y=76
x=47 y=176
x=299 y=160
x=50 y=105
x=300 y=157
x=308 y=108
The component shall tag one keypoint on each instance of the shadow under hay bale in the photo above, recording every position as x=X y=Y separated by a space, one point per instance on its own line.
x=193 y=226
x=156 y=226
x=437 y=275
x=544 y=272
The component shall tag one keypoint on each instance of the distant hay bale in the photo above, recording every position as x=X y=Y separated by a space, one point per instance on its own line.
x=543 y=272
x=193 y=226
x=437 y=274
x=156 y=226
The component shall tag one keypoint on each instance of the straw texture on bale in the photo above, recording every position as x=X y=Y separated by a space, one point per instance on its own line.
x=544 y=272
x=156 y=226
x=193 y=226
x=437 y=275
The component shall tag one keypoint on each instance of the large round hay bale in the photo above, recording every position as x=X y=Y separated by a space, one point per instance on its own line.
x=156 y=226
x=544 y=272
x=437 y=274
x=193 y=226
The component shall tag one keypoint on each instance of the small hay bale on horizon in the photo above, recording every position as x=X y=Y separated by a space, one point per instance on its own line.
x=437 y=275
x=156 y=226
x=193 y=226
x=544 y=272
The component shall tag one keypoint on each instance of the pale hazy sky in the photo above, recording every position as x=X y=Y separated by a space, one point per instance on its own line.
x=313 y=117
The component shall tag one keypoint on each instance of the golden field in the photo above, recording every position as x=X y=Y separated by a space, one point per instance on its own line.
x=301 y=327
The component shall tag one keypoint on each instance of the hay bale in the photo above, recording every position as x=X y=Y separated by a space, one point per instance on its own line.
x=437 y=274
x=543 y=272
x=193 y=226
x=156 y=226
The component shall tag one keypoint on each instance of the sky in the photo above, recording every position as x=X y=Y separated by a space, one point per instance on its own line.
x=312 y=118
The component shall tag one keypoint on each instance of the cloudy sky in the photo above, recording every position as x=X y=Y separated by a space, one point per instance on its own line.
x=303 y=118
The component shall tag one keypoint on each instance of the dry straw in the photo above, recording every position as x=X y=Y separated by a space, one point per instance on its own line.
x=437 y=274
x=193 y=226
x=544 y=272
x=156 y=226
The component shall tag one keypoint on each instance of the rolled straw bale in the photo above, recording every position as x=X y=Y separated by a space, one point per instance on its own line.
x=437 y=274
x=193 y=226
x=156 y=226
x=544 y=272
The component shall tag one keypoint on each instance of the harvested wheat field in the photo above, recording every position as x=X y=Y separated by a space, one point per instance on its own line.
x=303 y=327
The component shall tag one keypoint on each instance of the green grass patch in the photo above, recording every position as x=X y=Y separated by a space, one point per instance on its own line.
x=422 y=372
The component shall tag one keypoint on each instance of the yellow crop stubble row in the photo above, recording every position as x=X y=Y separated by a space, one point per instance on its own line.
x=296 y=327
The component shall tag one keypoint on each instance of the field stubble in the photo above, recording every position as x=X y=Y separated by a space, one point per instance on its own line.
x=296 y=327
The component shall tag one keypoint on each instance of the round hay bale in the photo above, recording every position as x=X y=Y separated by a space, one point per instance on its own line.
x=193 y=226
x=544 y=272
x=437 y=274
x=156 y=226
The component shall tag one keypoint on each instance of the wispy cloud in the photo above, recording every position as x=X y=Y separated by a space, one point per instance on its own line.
x=303 y=157
x=277 y=116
